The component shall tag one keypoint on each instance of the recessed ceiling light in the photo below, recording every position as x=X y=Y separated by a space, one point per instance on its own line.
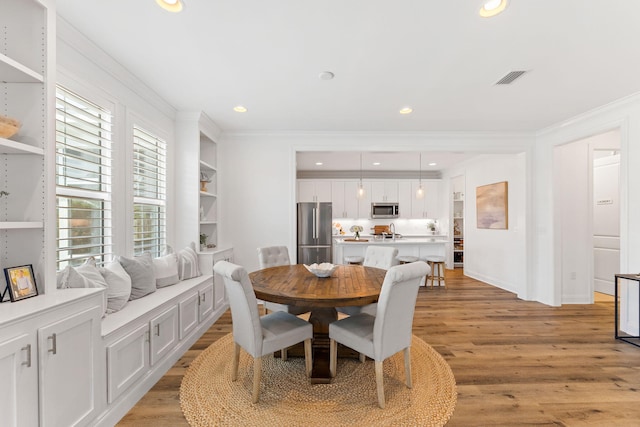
x=492 y=8
x=171 y=5
x=376 y=163
x=432 y=164
x=406 y=110
x=319 y=163
x=240 y=109
x=326 y=75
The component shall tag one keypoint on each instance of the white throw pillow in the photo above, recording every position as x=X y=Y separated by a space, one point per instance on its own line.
x=166 y=270
x=188 y=263
x=140 y=269
x=84 y=276
x=118 y=286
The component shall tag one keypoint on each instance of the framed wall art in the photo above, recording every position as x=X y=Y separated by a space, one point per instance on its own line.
x=492 y=206
x=21 y=282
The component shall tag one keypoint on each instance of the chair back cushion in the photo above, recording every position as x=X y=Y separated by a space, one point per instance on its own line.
x=273 y=256
x=392 y=329
x=247 y=330
x=380 y=257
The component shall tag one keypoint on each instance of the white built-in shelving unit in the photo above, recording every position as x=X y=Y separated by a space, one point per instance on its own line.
x=458 y=220
x=27 y=81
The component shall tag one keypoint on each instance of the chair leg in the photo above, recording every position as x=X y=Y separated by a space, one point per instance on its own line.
x=430 y=276
x=379 y=384
x=407 y=367
x=257 y=374
x=236 y=361
x=362 y=357
x=333 y=357
x=283 y=354
x=308 y=357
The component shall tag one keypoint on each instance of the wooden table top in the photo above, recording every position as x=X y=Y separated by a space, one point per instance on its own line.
x=295 y=285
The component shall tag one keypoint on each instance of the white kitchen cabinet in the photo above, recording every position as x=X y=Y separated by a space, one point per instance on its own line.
x=364 y=203
x=405 y=197
x=164 y=333
x=344 y=199
x=19 y=385
x=429 y=205
x=384 y=191
x=312 y=190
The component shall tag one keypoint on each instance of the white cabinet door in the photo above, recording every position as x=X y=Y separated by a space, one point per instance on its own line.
x=314 y=190
x=189 y=313
x=127 y=361
x=384 y=191
x=164 y=333
x=19 y=381
x=429 y=205
x=405 y=196
x=344 y=198
x=69 y=368
x=364 y=203
x=337 y=200
x=206 y=298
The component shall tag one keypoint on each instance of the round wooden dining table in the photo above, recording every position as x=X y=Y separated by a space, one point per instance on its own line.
x=294 y=285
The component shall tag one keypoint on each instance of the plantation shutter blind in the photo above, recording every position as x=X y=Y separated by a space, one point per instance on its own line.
x=149 y=191
x=83 y=179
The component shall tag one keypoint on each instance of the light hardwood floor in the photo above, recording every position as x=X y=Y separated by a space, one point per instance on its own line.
x=515 y=362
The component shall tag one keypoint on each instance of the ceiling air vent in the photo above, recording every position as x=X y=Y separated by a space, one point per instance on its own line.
x=510 y=77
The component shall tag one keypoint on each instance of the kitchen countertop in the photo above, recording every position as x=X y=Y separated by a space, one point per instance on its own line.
x=404 y=240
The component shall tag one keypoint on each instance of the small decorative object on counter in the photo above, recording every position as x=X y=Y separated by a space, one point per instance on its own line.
x=357 y=229
x=203 y=241
x=21 y=283
x=431 y=225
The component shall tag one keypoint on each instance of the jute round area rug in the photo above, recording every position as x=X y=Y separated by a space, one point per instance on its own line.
x=209 y=398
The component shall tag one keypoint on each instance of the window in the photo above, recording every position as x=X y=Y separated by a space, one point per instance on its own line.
x=83 y=179
x=149 y=192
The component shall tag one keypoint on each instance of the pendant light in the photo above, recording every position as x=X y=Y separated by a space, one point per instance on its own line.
x=171 y=5
x=420 y=190
x=361 y=187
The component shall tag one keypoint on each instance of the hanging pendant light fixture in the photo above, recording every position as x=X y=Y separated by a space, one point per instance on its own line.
x=420 y=190
x=361 y=193
x=171 y=5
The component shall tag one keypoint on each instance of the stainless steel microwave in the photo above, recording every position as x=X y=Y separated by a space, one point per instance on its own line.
x=384 y=210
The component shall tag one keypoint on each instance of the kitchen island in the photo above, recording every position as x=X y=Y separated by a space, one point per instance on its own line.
x=419 y=246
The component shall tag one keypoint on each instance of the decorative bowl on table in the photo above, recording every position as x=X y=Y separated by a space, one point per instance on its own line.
x=8 y=126
x=325 y=269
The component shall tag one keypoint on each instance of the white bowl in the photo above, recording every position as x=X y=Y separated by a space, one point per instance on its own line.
x=321 y=270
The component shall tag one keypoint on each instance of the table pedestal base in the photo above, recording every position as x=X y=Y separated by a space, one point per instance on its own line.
x=320 y=319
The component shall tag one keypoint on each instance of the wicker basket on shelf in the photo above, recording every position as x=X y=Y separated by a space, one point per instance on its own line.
x=8 y=126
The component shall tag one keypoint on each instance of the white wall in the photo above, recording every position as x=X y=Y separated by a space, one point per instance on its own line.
x=259 y=177
x=497 y=257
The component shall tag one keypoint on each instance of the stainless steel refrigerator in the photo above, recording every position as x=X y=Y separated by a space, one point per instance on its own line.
x=314 y=233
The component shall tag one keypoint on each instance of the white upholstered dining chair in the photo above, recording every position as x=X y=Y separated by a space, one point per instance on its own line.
x=273 y=256
x=383 y=257
x=257 y=335
x=390 y=330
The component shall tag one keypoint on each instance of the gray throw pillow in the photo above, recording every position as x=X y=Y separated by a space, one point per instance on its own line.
x=118 y=286
x=188 y=263
x=140 y=269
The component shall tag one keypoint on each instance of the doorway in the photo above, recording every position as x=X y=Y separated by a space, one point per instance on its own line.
x=586 y=197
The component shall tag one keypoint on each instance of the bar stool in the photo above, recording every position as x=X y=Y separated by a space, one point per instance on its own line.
x=406 y=259
x=435 y=262
x=355 y=260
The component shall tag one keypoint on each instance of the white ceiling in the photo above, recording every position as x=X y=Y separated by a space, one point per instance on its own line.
x=439 y=57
